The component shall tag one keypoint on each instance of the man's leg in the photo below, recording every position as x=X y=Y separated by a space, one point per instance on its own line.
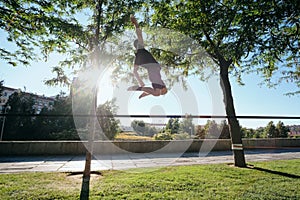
x=152 y=91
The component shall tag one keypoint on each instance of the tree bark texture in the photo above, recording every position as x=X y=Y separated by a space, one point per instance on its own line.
x=85 y=186
x=235 y=130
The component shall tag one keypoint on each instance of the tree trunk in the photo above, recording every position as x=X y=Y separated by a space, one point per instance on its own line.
x=85 y=187
x=235 y=130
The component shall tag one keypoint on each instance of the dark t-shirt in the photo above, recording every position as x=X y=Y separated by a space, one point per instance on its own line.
x=143 y=57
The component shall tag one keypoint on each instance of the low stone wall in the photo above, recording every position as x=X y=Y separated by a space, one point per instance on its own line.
x=119 y=147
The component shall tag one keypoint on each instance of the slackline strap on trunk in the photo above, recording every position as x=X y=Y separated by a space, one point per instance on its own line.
x=237 y=147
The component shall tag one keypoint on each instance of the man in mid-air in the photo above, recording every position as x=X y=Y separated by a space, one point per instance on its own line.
x=144 y=58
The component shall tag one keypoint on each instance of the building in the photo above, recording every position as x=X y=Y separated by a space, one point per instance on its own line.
x=5 y=95
x=294 y=131
x=40 y=101
x=126 y=128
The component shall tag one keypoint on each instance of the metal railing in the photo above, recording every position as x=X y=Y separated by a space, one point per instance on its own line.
x=155 y=116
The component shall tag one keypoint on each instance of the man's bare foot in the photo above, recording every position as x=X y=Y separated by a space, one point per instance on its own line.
x=134 y=88
x=144 y=94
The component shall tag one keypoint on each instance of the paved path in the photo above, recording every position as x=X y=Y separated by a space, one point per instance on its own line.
x=14 y=164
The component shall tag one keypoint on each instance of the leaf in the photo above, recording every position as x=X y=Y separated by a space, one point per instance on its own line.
x=12 y=63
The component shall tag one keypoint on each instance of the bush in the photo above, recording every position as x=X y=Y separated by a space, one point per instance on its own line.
x=181 y=136
x=163 y=136
x=65 y=135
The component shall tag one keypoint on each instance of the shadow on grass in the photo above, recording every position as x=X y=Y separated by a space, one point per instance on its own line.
x=273 y=172
x=81 y=173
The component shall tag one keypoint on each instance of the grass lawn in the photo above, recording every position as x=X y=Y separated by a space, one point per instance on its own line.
x=131 y=136
x=265 y=180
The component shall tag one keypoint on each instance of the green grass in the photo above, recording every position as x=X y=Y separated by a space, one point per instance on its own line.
x=131 y=136
x=269 y=180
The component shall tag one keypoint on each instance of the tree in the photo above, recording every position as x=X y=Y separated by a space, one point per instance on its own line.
x=270 y=130
x=173 y=125
x=92 y=51
x=43 y=25
x=150 y=131
x=51 y=27
x=19 y=126
x=200 y=132
x=187 y=126
x=25 y=124
x=248 y=132
x=238 y=35
x=164 y=135
x=143 y=128
x=1 y=87
x=108 y=124
x=212 y=129
x=282 y=130
x=50 y=125
x=225 y=132
x=259 y=132
x=139 y=126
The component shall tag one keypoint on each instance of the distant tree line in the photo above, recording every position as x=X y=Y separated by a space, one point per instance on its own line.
x=143 y=129
x=270 y=131
x=177 y=129
x=212 y=130
x=185 y=129
x=55 y=123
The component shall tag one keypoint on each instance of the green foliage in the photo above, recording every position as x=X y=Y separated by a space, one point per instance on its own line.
x=26 y=124
x=282 y=130
x=248 y=133
x=57 y=122
x=19 y=126
x=260 y=36
x=181 y=136
x=166 y=135
x=259 y=133
x=270 y=130
x=178 y=130
x=213 y=130
x=41 y=25
x=142 y=128
x=139 y=126
x=108 y=124
x=187 y=126
x=173 y=125
x=225 y=132
x=65 y=134
x=101 y=21
x=76 y=29
x=1 y=87
x=200 y=132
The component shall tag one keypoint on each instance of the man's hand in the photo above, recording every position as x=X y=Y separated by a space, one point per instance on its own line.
x=133 y=20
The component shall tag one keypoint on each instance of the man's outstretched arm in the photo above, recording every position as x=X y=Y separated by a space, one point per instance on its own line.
x=138 y=31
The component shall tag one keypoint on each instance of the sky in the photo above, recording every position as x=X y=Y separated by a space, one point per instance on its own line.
x=201 y=98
